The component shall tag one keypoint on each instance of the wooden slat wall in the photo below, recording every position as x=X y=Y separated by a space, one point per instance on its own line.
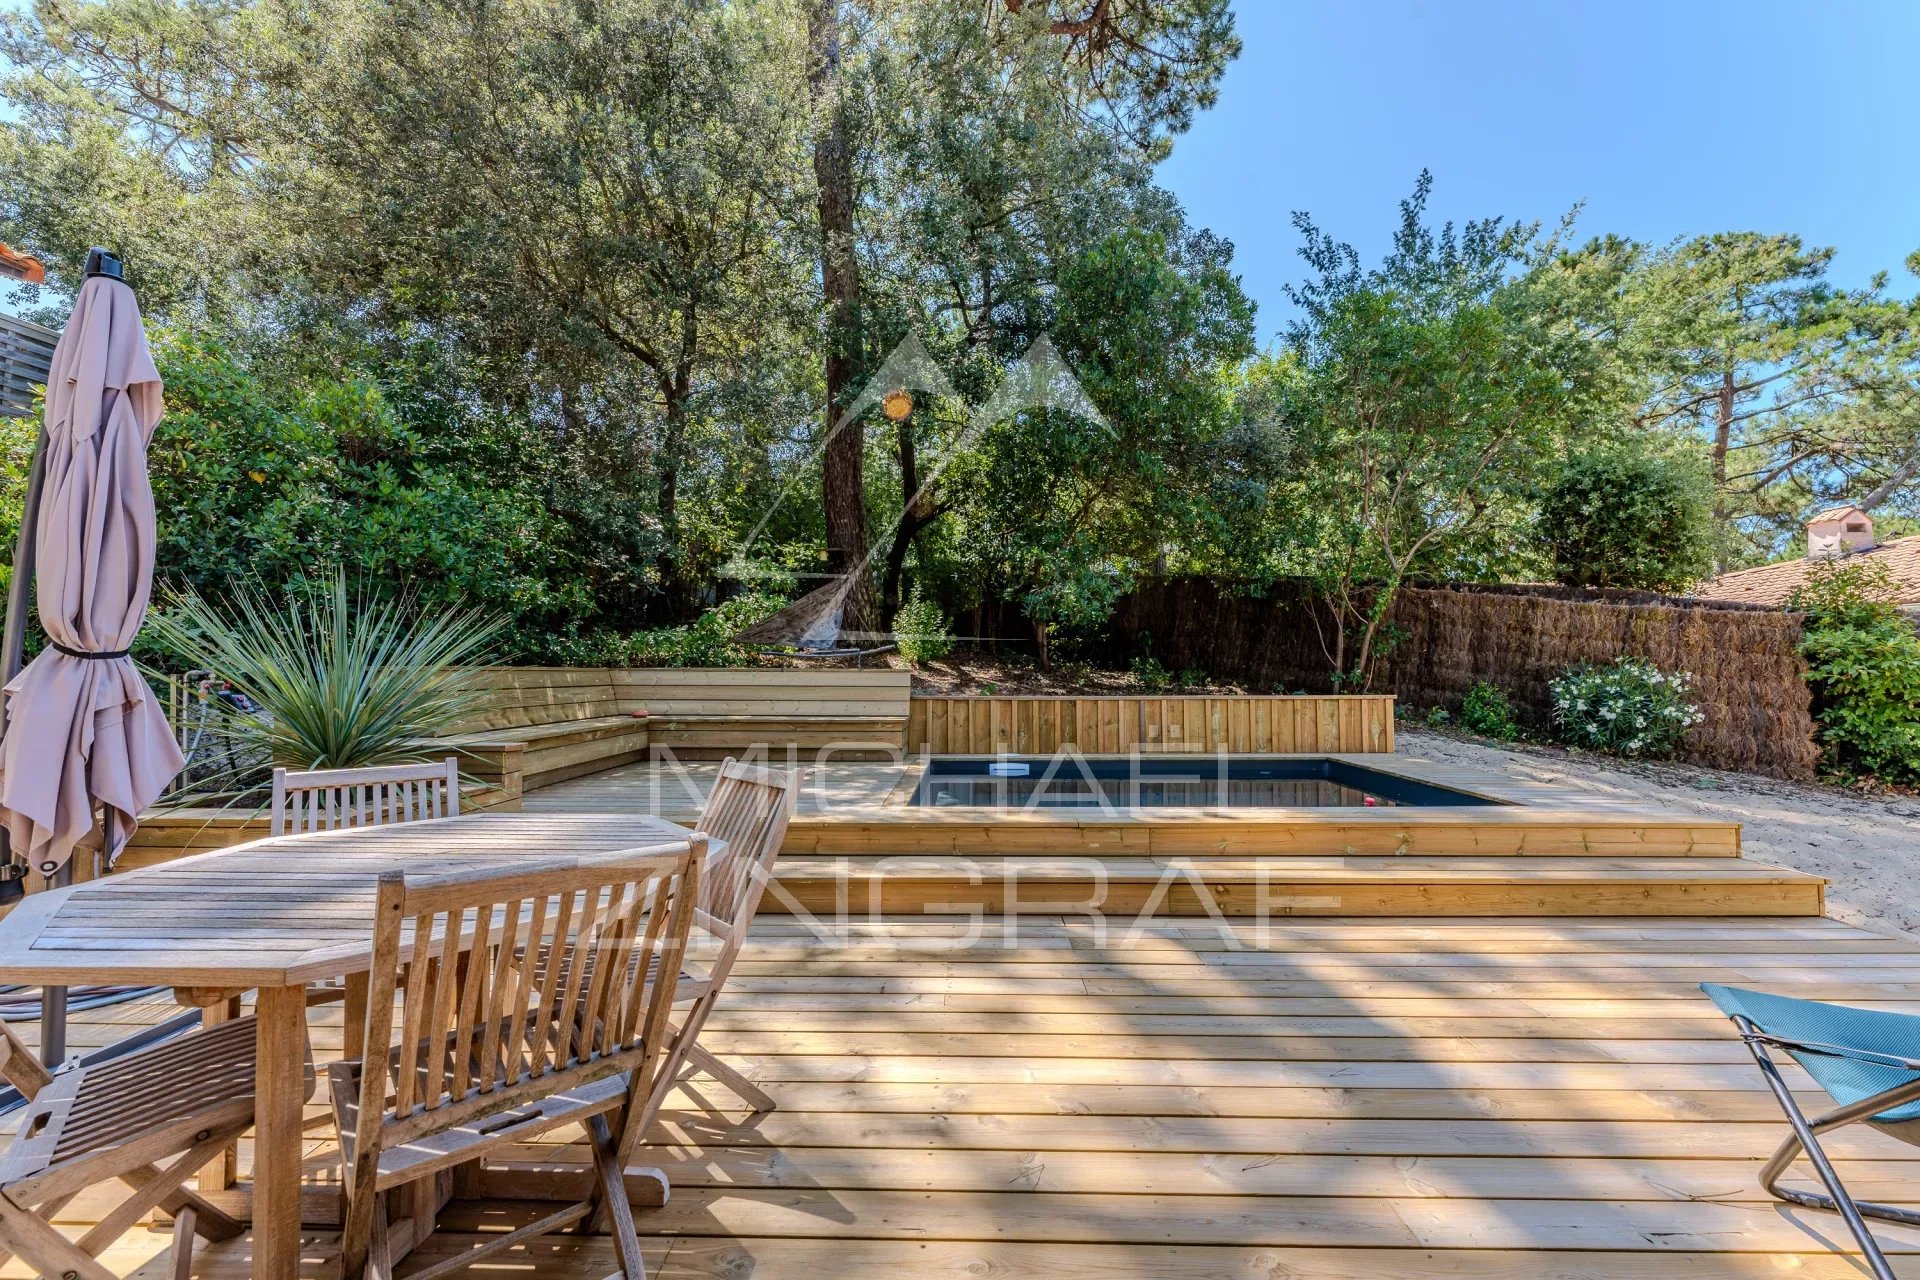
x=763 y=691
x=524 y=697
x=1241 y=724
x=25 y=350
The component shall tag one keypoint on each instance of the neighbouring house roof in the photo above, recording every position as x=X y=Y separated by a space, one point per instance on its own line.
x=15 y=265
x=1773 y=583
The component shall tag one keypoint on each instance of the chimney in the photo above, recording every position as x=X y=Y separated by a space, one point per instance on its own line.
x=1842 y=531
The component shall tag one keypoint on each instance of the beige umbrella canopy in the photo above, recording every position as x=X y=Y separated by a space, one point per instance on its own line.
x=82 y=725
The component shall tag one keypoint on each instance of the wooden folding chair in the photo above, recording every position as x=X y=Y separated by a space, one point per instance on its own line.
x=749 y=808
x=182 y=1099
x=532 y=997
x=327 y=799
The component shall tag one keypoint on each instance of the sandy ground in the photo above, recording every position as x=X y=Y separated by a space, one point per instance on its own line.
x=1867 y=846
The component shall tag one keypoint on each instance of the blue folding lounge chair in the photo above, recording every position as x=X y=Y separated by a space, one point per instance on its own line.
x=1869 y=1062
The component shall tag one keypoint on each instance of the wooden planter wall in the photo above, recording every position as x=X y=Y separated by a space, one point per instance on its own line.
x=1245 y=724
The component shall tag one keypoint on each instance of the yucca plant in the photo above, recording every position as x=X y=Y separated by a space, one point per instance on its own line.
x=341 y=679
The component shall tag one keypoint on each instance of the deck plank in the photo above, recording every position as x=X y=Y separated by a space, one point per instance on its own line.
x=1537 y=1098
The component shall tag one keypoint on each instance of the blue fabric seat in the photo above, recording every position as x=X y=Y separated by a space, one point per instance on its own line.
x=1864 y=1033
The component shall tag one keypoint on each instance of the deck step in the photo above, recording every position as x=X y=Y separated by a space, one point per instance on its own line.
x=1488 y=831
x=1291 y=886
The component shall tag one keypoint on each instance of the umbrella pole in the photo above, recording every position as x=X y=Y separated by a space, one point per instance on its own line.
x=53 y=1000
x=14 y=645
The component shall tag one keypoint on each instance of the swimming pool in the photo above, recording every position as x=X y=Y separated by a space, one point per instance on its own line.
x=1177 y=782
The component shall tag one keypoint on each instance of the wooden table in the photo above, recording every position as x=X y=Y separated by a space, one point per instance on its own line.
x=275 y=915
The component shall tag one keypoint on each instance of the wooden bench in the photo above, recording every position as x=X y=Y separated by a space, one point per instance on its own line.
x=706 y=713
x=542 y=725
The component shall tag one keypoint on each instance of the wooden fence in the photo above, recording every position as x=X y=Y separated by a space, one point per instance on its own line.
x=1244 y=724
x=1748 y=676
x=26 y=351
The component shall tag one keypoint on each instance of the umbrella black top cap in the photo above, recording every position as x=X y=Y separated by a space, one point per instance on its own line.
x=104 y=262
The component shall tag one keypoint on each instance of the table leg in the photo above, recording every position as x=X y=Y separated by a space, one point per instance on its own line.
x=279 y=1095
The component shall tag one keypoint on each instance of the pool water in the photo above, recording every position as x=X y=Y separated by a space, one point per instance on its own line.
x=1191 y=782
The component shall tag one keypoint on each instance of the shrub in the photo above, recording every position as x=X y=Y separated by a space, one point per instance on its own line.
x=1863 y=661
x=1627 y=708
x=1486 y=711
x=260 y=474
x=339 y=680
x=1150 y=673
x=921 y=630
x=707 y=641
x=1623 y=519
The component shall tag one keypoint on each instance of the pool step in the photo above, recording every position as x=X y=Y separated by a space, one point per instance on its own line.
x=865 y=884
x=1490 y=831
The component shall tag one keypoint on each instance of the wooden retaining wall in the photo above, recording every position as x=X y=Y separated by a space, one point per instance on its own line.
x=1242 y=724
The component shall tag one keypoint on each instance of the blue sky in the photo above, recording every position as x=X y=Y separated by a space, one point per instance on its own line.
x=1667 y=119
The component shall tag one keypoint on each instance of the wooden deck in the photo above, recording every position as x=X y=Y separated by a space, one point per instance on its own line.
x=1346 y=1099
x=859 y=846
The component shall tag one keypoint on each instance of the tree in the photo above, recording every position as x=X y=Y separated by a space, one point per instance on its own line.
x=1802 y=392
x=598 y=194
x=970 y=122
x=843 y=484
x=1063 y=506
x=143 y=126
x=1429 y=395
x=1624 y=518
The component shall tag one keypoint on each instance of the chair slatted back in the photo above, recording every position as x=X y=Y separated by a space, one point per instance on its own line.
x=327 y=799
x=520 y=983
x=749 y=808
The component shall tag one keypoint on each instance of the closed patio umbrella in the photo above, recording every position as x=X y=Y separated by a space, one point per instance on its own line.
x=82 y=725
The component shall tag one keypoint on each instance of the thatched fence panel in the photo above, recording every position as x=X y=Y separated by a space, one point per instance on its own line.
x=1749 y=677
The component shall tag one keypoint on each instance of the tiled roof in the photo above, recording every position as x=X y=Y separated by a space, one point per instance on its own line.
x=15 y=265
x=1773 y=583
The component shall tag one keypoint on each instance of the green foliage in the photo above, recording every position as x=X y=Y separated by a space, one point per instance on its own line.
x=1150 y=674
x=707 y=641
x=578 y=386
x=1439 y=717
x=1424 y=400
x=1628 y=519
x=1487 y=711
x=268 y=475
x=341 y=679
x=16 y=458
x=1805 y=394
x=1629 y=707
x=921 y=630
x=1061 y=507
x=1863 y=661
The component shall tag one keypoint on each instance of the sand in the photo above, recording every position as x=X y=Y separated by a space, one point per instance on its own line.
x=1867 y=846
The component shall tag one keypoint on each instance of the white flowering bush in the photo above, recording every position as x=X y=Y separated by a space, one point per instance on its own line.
x=1627 y=708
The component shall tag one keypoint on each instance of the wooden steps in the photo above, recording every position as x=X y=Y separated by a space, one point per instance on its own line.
x=1487 y=830
x=1299 y=885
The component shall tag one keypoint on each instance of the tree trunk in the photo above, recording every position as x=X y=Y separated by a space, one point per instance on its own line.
x=673 y=582
x=917 y=513
x=842 y=483
x=1722 y=443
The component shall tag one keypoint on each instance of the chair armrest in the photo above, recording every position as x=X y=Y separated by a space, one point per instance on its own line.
x=19 y=1065
x=1825 y=1050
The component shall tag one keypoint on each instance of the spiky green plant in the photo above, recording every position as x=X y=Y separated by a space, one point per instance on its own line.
x=342 y=679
